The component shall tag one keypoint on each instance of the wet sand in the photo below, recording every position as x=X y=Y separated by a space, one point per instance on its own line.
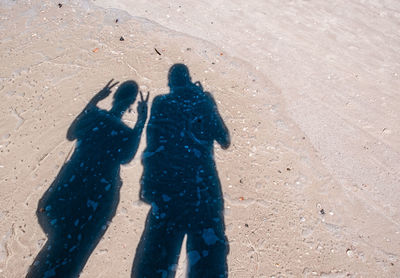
x=307 y=90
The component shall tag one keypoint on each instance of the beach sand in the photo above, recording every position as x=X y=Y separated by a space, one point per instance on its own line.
x=307 y=89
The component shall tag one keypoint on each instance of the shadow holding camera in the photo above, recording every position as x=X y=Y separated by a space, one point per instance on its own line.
x=76 y=209
x=180 y=182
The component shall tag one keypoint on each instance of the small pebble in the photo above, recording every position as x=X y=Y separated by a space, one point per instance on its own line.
x=349 y=252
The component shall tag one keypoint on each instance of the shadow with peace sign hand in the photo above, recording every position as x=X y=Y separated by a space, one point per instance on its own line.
x=78 y=206
x=142 y=104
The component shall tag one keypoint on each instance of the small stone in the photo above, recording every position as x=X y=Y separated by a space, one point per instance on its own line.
x=349 y=252
x=121 y=38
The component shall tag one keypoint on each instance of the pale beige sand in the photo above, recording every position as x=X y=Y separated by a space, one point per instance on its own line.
x=334 y=145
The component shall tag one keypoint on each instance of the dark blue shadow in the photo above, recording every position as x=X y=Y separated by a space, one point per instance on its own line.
x=180 y=182
x=76 y=209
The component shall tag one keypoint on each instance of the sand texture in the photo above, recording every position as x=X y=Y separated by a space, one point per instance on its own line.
x=309 y=91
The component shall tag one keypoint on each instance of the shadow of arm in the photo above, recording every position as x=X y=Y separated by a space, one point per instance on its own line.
x=102 y=94
x=221 y=132
x=137 y=131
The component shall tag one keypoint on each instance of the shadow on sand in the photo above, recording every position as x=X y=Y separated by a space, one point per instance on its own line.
x=180 y=182
x=76 y=209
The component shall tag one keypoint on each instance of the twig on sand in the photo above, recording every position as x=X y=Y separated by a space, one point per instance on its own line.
x=158 y=52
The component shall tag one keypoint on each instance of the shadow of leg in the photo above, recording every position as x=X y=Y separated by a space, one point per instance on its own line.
x=207 y=249
x=67 y=252
x=158 y=251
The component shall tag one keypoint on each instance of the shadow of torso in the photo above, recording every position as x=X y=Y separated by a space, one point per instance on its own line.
x=179 y=161
x=90 y=179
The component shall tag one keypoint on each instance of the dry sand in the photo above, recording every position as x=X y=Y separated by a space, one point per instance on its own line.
x=308 y=90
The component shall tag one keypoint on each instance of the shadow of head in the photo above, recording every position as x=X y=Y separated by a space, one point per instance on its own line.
x=178 y=76
x=125 y=96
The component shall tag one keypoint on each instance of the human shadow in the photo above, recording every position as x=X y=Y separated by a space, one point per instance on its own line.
x=180 y=182
x=76 y=209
